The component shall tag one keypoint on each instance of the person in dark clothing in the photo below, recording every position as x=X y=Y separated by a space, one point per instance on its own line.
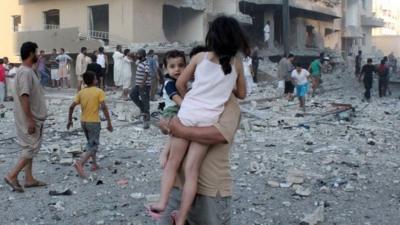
x=358 y=64
x=383 y=72
x=367 y=72
x=95 y=68
x=255 y=63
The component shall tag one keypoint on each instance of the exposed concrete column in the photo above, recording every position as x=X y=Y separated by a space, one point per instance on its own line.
x=299 y=33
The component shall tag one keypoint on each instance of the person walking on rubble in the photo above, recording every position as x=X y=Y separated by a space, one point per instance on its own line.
x=358 y=64
x=63 y=59
x=300 y=77
x=218 y=73
x=285 y=68
x=267 y=33
x=383 y=72
x=140 y=94
x=102 y=60
x=30 y=113
x=81 y=66
x=315 y=70
x=91 y=99
x=367 y=73
x=118 y=58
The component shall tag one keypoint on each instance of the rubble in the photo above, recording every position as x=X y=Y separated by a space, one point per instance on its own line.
x=281 y=163
x=314 y=218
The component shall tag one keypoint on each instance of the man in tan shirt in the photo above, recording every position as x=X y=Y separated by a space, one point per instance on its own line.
x=212 y=205
x=30 y=112
x=81 y=66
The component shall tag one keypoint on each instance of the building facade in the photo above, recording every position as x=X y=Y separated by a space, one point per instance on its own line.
x=315 y=25
x=358 y=22
x=389 y=11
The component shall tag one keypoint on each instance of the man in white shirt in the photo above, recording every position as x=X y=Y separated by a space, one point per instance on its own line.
x=81 y=66
x=267 y=31
x=118 y=58
x=299 y=76
x=63 y=59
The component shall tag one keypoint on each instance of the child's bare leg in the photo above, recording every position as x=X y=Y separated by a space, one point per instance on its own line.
x=177 y=152
x=165 y=152
x=95 y=166
x=194 y=160
x=81 y=162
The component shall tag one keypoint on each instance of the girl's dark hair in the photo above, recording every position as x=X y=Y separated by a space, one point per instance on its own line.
x=126 y=51
x=196 y=50
x=174 y=54
x=225 y=37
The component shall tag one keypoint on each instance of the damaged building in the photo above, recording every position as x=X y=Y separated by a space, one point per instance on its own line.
x=315 y=25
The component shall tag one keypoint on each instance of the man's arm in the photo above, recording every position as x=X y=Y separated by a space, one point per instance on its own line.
x=204 y=135
x=70 y=111
x=27 y=110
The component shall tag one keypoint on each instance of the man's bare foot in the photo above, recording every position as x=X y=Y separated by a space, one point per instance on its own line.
x=79 y=169
x=34 y=183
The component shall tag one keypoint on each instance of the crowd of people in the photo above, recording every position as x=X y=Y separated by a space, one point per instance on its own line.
x=201 y=121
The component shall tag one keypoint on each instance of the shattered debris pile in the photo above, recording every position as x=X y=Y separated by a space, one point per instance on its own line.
x=338 y=163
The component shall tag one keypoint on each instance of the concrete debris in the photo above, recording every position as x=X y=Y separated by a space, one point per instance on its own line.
x=280 y=163
x=303 y=192
x=273 y=184
x=314 y=218
x=137 y=195
x=295 y=176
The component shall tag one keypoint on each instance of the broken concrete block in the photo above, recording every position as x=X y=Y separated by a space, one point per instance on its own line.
x=152 y=198
x=295 y=176
x=273 y=184
x=66 y=161
x=314 y=218
x=137 y=195
x=304 y=192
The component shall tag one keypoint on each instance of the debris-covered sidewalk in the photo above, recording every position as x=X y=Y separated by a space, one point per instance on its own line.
x=338 y=163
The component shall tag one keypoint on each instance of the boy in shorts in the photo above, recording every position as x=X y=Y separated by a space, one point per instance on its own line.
x=91 y=99
x=300 y=77
x=175 y=63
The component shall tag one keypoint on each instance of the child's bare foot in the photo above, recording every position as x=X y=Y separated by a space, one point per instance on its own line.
x=79 y=169
x=157 y=208
x=94 y=167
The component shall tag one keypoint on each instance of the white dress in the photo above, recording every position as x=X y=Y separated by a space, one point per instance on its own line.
x=118 y=58
x=204 y=103
x=126 y=72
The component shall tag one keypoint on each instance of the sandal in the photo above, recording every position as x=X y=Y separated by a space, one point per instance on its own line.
x=14 y=185
x=37 y=183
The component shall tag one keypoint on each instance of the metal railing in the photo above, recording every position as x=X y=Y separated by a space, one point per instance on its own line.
x=51 y=27
x=94 y=34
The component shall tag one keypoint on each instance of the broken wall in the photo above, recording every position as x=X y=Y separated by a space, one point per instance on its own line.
x=183 y=24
